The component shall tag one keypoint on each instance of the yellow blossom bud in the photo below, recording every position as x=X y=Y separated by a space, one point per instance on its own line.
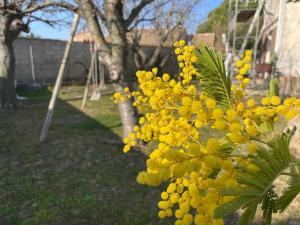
x=126 y=148
x=178 y=51
x=246 y=81
x=275 y=100
x=235 y=128
x=247 y=58
x=186 y=101
x=251 y=102
x=154 y=71
x=266 y=101
x=166 y=77
x=252 y=148
x=161 y=214
x=217 y=114
x=239 y=77
x=220 y=124
x=212 y=144
x=178 y=213
x=231 y=115
x=164 y=195
x=194 y=59
x=248 y=53
x=142 y=120
x=239 y=63
x=240 y=107
x=210 y=103
x=182 y=43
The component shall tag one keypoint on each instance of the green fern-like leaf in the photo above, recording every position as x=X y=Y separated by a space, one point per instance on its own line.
x=290 y=192
x=257 y=186
x=212 y=75
x=248 y=214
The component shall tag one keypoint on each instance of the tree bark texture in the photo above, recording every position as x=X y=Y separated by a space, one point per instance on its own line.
x=112 y=55
x=10 y=27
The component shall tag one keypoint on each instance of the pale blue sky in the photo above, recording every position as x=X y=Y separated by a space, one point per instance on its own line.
x=199 y=14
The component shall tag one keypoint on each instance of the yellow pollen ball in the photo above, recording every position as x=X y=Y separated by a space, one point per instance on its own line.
x=252 y=148
x=231 y=115
x=220 y=124
x=178 y=51
x=251 y=102
x=218 y=114
x=166 y=77
x=164 y=195
x=240 y=107
x=186 y=101
x=154 y=71
x=210 y=103
x=212 y=144
x=248 y=53
x=275 y=100
x=266 y=101
x=161 y=214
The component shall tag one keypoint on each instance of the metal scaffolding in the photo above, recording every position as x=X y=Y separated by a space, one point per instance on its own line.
x=243 y=17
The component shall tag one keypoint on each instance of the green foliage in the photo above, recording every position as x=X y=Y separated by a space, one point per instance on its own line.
x=212 y=75
x=217 y=22
x=290 y=192
x=274 y=87
x=257 y=186
x=217 y=19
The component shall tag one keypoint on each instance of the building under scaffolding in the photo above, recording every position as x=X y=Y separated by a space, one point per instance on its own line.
x=271 y=28
x=243 y=27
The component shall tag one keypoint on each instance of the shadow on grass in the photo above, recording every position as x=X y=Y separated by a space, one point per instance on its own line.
x=74 y=178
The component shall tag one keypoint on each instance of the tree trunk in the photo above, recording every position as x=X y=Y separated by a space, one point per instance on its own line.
x=113 y=55
x=10 y=27
x=118 y=73
x=7 y=74
x=127 y=112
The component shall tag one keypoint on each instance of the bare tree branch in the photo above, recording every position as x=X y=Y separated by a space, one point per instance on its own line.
x=136 y=10
x=168 y=26
x=87 y=8
x=60 y=4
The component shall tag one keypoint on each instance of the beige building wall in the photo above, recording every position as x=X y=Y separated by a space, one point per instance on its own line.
x=289 y=54
x=269 y=28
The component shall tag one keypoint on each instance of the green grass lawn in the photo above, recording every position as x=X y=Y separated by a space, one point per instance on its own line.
x=75 y=177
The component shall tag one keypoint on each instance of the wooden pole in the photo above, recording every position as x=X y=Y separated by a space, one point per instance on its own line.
x=59 y=79
x=88 y=81
x=32 y=64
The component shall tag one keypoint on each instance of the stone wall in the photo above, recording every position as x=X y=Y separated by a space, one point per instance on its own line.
x=47 y=56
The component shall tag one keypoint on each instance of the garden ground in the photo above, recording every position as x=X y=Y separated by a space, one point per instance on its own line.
x=79 y=176
x=76 y=177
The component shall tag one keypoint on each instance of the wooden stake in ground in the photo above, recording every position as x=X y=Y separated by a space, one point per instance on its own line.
x=88 y=81
x=32 y=63
x=59 y=79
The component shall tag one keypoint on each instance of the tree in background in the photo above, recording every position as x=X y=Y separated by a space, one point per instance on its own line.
x=114 y=19
x=15 y=17
x=168 y=25
x=216 y=20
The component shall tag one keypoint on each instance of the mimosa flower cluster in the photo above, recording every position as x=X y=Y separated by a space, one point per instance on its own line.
x=200 y=144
